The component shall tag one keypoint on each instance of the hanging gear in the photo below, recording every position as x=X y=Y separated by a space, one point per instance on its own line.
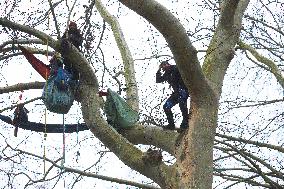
x=58 y=92
x=119 y=113
x=38 y=65
x=20 y=114
x=46 y=128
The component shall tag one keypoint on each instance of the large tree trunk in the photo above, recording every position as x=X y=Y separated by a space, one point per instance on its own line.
x=194 y=150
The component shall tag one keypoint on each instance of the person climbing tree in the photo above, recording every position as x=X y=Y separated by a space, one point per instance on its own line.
x=73 y=35
x=179 y=95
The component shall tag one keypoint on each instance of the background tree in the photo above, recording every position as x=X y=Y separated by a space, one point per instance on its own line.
x=230 y=60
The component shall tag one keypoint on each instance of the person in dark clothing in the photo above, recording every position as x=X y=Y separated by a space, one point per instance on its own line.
x=179 y=95
x=73 y=35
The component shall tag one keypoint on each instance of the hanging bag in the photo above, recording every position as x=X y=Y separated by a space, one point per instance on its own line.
x=58 y=92
x=119 y=113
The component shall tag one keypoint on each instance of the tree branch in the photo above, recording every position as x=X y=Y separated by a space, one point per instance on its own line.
x=26 y=102
x=22 y=86
x=70 y=11
x=152 y=135
x=88 y=174
x=129 y=71
x=278 y=30
x=221 y=48
x=255 y=161
x=184 y=52
x=20 y=41
x=269 y=63
x=54 y=18
x=34 y=51
x=256 y=143
x=42 y=36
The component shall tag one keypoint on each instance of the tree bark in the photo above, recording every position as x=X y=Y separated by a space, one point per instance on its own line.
x=221 y=49
x=272 y=67
x=132 y=96
x=194 y=150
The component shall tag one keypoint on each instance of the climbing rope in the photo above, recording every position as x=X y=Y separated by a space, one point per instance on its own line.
x=77 y=142
x=45 y=123
x=63 y=147
x=45 y=110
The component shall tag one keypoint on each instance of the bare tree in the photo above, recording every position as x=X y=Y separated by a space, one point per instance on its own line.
x=234 y=136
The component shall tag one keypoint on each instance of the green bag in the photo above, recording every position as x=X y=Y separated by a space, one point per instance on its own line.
x=119 y=113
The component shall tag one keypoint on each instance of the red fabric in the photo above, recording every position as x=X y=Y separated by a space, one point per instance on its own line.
x=21 y=96
x=102 y=93
x=37 y=64
x=72 y=24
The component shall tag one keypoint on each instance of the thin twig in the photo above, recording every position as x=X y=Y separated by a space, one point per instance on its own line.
x=90 y=174
x=69 y=15
x=54 y=18
x=13 y=106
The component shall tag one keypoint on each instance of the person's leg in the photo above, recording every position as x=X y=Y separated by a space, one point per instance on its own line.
x=182 y=100
x=171 y=101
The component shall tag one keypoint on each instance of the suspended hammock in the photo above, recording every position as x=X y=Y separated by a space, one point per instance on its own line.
x=37 y=64
x=48 y=128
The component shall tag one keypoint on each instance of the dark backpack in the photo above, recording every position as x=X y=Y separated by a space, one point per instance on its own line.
x=20 y=117
x=20 y=114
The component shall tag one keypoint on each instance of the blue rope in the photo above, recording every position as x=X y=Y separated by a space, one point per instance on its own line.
x=63 y=156
x=78 y=153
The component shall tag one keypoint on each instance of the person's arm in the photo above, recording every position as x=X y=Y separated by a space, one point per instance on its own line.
x=80 y=38
x=64 y=35
x=159 y=77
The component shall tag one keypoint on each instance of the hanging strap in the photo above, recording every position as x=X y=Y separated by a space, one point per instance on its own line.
x=63 y=147
x=45 y=128
x=77 y=133
x=45 y=110
x=17 y=114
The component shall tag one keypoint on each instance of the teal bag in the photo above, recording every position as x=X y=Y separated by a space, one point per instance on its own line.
x=119 y=113
x=58 y=93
